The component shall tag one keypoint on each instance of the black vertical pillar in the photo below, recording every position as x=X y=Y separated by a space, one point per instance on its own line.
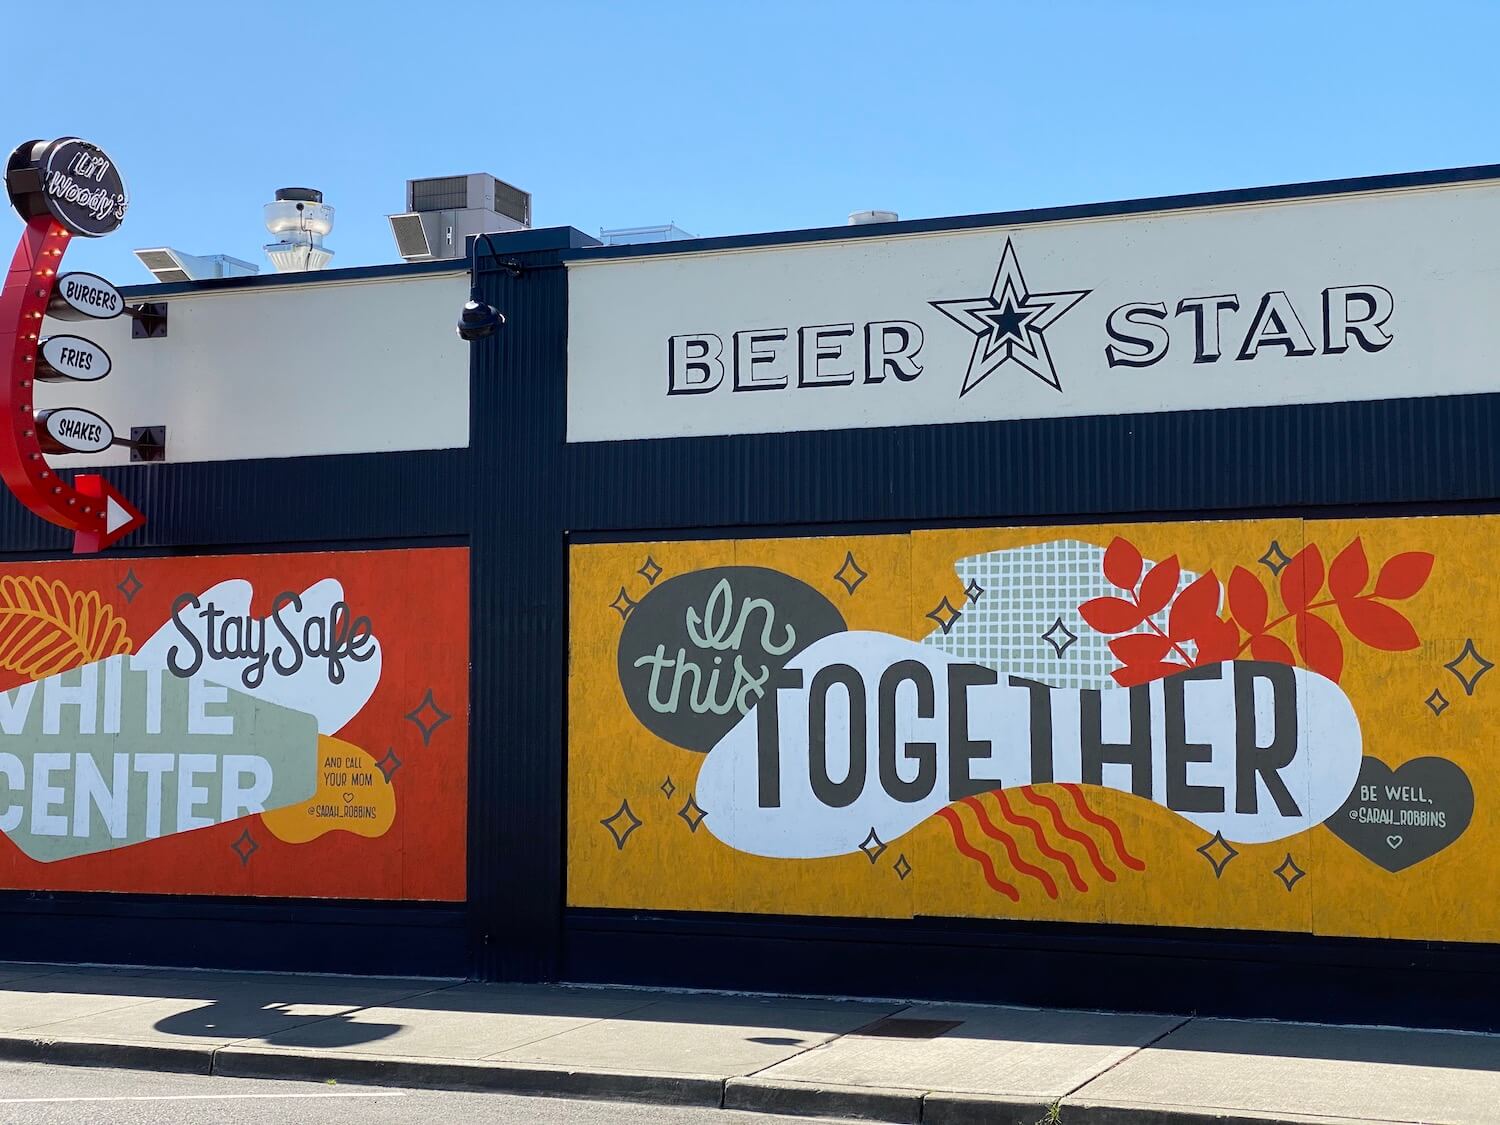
x=518 y=612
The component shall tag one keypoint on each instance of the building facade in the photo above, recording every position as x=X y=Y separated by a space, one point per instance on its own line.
x=1081 y=607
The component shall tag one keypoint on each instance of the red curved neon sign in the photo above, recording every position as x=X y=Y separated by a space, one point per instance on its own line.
x=89 y=505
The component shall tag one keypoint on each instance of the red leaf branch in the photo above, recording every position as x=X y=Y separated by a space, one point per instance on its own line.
x=1248 y=627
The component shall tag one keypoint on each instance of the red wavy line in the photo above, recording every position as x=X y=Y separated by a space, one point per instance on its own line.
x=989 y=828
x=1108 y=825
x=961 y=842
x=1021 y=820
x=1067 y=831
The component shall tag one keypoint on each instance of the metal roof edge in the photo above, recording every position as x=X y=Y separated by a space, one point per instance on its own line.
x=311 y=277
x=1314 y=189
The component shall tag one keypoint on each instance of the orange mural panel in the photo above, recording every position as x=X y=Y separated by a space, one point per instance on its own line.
x=276 y=725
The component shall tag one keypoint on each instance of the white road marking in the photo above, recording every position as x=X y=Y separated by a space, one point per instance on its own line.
x=210 y=1097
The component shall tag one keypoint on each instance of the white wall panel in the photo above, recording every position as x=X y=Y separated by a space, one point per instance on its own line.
x=1418 y=268
x=314 y=367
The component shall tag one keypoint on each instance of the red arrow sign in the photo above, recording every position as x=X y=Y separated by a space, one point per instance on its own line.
x=23 y=304
x=119 y=517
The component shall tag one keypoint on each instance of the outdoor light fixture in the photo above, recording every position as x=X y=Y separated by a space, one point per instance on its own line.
x=480 y=319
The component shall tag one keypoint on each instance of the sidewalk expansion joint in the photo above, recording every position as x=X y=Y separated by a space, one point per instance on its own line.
x=1176 y=1027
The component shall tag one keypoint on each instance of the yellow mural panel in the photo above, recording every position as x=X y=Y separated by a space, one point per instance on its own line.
x=1275 y=725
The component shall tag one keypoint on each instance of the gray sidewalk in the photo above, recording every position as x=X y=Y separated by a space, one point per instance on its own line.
x=887 y=1061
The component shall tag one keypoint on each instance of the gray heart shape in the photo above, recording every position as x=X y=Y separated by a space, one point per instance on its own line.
x=1399 y=817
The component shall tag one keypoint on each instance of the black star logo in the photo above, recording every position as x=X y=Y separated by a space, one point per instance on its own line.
x=1010 y=324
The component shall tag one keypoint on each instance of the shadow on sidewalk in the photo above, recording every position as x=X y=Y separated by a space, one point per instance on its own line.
x=334 y=1012
x=247 y=1018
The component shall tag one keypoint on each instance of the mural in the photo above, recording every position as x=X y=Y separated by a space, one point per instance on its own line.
x=289 y=725
x=1270 y=725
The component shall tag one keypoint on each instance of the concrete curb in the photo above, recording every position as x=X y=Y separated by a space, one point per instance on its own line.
x=986 y=1109
x=1096 y=1113
x=127 y=1056
x=458 y=1074
x=809 y=1099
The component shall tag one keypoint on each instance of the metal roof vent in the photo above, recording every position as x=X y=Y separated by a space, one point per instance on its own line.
x=167 y=264
x=301 y=219
x=411 y=239
x=444 y=212
x=865 y=218
x=634 y=236
x=162 y=265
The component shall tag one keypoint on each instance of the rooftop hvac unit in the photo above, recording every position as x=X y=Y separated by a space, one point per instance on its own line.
x=444 y=212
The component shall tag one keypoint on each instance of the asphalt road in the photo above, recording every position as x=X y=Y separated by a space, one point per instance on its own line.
x=40 y=1094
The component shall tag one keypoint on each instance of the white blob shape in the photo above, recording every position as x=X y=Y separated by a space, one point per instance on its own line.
x=1311 y=784
x=308 y=689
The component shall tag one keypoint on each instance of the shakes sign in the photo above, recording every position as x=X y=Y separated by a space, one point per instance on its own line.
x=1378 y=294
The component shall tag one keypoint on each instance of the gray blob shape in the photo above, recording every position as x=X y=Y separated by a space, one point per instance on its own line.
x=658 y=629
x=1387 y=816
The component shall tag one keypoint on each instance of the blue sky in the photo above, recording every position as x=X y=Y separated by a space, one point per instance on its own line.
x=737 y=117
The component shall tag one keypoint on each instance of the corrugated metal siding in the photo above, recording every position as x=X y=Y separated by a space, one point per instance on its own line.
x=310 y=500
x=1407 y=451
x=518 y=638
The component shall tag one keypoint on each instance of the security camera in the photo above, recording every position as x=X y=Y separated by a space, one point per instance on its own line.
x=479 y=320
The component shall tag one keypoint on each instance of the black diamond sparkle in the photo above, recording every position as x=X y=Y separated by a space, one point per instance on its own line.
x=692 y=815
x=427 y=716
x=973 y=591
x=1218 y=853
x=130 y=586
x=389 y=764
x=1289 y=872
x=850 y=575
x=667 y=788
x=1437 y=702
x=1275 y=559
x=874 y=846
x=244 y=847
x=650 y=571
x=1060 y=637
x=621 y=823
x=623 y=604
x=944 y=614
x=1468 y=666
x=901 y=867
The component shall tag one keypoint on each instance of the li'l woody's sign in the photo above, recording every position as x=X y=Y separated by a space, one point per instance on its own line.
x=61 y=189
